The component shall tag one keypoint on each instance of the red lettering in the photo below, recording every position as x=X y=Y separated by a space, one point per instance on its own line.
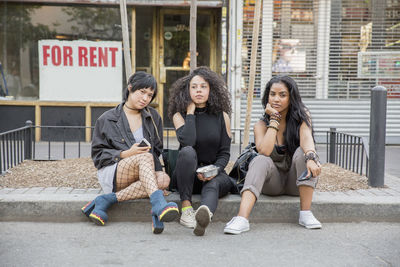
x=45 y=54
x=113 y=53
x=92 y=56
x=82 y=54
x=67 y=53
x=56 y=55
x=103 y=57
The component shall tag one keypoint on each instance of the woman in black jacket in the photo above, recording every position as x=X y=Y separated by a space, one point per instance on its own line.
x=128 y=168
x=200 y=109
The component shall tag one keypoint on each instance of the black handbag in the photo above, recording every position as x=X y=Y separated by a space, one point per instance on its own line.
x=169 y=157
x=241 y=165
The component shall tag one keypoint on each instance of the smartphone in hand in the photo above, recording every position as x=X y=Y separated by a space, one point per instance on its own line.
x=304 y=177
x=144 y=143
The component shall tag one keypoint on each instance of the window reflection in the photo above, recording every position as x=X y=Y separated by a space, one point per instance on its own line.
x=23 y=25
x=177 y=40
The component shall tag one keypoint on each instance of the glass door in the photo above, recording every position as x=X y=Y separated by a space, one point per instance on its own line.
x=174 y=50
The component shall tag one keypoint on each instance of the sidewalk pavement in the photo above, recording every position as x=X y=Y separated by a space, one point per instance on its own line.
x=63 y=205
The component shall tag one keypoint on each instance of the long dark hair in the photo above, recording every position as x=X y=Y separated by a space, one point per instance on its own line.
x=140 y=80
x=296 y=115
x=218 y=99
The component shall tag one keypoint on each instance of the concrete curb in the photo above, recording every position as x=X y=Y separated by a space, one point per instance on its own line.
x=326 y=207
x=64 y=204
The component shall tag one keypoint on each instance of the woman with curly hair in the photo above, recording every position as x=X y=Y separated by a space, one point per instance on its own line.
x=200 y=108
x=287 y=162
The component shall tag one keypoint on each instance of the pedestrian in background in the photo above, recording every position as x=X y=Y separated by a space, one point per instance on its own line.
x=200 y=108
x=127 y=168
x=287 y=162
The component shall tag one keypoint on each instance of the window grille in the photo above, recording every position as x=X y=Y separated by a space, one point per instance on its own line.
x=361 y=26
x=248 y=19
x=355 y=26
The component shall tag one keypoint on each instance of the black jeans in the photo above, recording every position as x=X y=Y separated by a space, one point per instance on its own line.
x=188 y=183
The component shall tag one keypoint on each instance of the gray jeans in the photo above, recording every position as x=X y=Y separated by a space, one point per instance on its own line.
x=264 y=177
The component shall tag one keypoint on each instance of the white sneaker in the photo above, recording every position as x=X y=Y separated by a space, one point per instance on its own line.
x=308 y=220
x=237 y=225
x=187 y=218
x=203 y=218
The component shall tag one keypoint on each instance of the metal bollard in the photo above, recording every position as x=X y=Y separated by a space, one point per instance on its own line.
x=332 y=145
x=28 y=140
x=377 y=136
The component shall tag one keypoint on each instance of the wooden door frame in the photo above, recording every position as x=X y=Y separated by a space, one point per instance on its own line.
x=158 y=68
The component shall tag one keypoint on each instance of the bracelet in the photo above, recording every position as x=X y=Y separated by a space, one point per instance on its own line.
x=275 y=117
x=310 y=150
x=273 y=120
x=311 y=156
x=273 y=127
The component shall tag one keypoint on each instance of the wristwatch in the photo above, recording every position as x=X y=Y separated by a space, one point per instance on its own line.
x=311 y=156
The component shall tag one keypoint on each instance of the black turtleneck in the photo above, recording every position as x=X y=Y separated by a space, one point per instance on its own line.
x=206 y=133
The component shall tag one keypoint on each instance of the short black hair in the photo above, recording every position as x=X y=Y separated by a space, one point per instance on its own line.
x=140 y=80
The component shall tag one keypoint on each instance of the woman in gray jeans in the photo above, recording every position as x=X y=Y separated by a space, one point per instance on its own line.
x=285 y=143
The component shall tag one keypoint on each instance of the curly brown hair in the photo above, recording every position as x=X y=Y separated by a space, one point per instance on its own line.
x=218 y=99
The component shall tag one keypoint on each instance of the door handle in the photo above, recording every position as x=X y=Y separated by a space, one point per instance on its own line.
x=163 y=74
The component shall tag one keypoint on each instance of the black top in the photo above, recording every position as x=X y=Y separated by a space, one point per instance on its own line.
x=206 y=133
x=112 y=135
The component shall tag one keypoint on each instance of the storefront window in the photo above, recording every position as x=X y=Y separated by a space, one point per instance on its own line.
x=23 y=25
x=294 y=43
x=144 y=35
x=177 y=39
x=357 y=28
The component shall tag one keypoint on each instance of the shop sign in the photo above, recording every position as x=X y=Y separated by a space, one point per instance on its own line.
x=80 y=70
x=288 y=56
x=379 y=64
x=168 y=36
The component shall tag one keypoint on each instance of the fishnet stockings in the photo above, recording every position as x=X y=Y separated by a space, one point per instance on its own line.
x=136 y=177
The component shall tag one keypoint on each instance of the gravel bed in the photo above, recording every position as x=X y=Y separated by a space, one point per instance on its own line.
x=75 y=173
x=81 y=173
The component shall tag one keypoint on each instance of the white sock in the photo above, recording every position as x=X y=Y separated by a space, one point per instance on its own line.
x=304 y=212
x=243 y=218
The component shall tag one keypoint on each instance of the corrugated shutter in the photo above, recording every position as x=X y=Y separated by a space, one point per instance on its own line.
x=359 y=25
x=355 y=25
x=349 y=116
x=294 y=43
x=248 y=18
x=293 y=36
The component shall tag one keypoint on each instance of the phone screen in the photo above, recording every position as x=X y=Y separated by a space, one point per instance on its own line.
x=304 y=176
x=144 y=143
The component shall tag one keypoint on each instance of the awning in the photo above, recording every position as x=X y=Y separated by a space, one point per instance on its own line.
x=175 y=3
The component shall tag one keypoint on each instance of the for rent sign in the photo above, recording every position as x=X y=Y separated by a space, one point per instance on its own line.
x=80 y=71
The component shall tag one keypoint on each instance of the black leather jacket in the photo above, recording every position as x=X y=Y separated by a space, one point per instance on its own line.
x=113 y=135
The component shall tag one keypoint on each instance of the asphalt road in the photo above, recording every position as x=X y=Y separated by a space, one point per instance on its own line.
x=133 y=244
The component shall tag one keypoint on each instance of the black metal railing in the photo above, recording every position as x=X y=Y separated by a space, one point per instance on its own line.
x=347 y=151
x=15 y=147
x=57 y=141
x=19 y=144
x=60 y=142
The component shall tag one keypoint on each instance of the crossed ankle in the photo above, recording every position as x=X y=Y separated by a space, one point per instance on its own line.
x=187 y=207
